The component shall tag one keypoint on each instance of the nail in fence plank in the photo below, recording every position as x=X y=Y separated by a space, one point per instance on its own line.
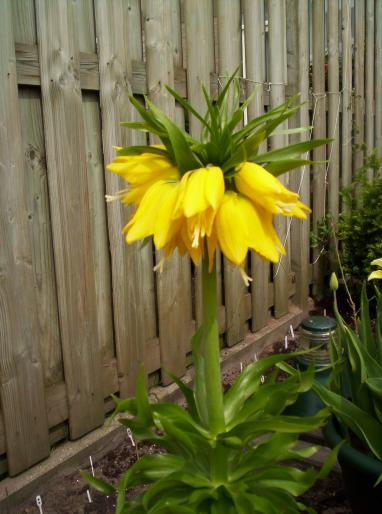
x=369 y=81
x=132 y=275
x=378 y=77
x=171 y=286
x=277 y=59
x=319 y=131
x=254 y=32
x=229 y=48
x=22 y=379
x=69 y=203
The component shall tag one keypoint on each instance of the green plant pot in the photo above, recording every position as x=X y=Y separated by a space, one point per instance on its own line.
x=360 y=473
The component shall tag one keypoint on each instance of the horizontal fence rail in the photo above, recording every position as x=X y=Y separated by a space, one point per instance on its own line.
x=79 y=309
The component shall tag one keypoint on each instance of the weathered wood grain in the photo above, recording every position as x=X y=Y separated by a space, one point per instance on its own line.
x=229 y=58
x=347 y=105
x=319 y=131
x=254 y=32
x=198 y=20
x=369 y=81
x=33 y=148
x=132 y=276
x=298 y=76
x=277 y=59
x=22 y=377
x=334 y=103
x=378 y=77
x=359 y=76
x=172 y=284
x=69 y=203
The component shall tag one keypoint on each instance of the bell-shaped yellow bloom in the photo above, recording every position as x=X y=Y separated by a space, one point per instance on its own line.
x=141 y=172
x=154 y=215
x=240 y=226
x=376 y=274
x=200 y=195
x=267 y=192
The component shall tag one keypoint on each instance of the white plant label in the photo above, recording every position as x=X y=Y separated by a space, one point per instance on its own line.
x=286 y=343
x=130 y=436
x=291 y=331
x=89 y=497
x=91 y=464
x=262 y=379
x=39 y=504
x=241 y=367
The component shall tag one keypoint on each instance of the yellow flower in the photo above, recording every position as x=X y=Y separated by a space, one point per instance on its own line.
x=240 y=226
x=200 y=195
x=141 y=172
x=267 y=192
x=378 y=273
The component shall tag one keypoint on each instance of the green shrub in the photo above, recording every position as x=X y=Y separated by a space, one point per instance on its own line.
x=359 y=227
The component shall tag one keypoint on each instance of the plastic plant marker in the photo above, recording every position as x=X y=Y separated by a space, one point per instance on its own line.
x=39 y=504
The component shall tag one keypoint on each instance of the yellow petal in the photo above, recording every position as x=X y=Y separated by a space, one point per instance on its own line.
x=264 y=189
x=141 y=172
x=152 y=213
x=377 y=262
x=375 y=274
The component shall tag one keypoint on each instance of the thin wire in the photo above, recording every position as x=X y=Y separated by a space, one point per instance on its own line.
x=317 y=97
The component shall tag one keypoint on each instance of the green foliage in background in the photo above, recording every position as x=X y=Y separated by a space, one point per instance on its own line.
x=357 y=401
x=359 y=227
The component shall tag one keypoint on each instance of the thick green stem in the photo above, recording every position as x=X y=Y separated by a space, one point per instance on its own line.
x=211 y=352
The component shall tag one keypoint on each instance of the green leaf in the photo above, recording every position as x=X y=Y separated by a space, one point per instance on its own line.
x=188 y=394
x=248 y=383
x=98 y=484
x=360 y=422
x=186 y=105
x=290 y=152
x=279 y=167
x=140 y=149
x=184 y=157
x=199 y=381
x=366 y=333
x=142 y=399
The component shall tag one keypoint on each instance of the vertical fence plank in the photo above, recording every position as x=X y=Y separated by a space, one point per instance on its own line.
x=185 y=262
x=300 y=180
x=378 y=77
x=319 y=131
x=40 y=230
x=369 y=81
x=334 y=107
x=254 y=31
x=22 y=381
x=229 y=37
x=132 y=276
x=359 y=81
x=95 y=173
x=33 y=145
x=277 y=96
x=347 y=108
x=171 y=286
x=198 y=20
x=298 y=78
x=69 y=202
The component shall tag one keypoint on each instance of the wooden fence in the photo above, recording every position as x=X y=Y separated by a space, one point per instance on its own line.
x=79 y=310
